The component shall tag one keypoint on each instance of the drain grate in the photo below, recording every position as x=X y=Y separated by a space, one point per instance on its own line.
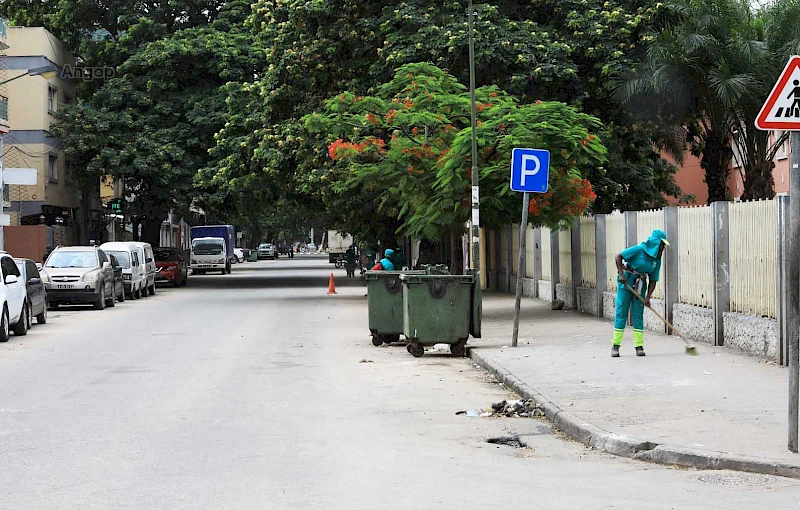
x=732 y=479
x=512 y=441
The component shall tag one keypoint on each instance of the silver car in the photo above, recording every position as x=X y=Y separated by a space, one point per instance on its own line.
x=267 y=251
x=79 y=275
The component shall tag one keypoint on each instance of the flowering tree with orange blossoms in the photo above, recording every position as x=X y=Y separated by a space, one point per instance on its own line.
x=410 y=142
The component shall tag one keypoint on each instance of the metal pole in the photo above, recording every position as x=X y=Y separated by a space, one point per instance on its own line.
x=476 y=222
x=2 y=193
x=794 y=288
x=526 y=198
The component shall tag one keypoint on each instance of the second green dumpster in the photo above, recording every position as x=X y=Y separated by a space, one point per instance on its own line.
x=438 y=309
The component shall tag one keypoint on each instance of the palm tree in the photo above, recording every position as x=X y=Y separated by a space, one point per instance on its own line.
x=696 y=74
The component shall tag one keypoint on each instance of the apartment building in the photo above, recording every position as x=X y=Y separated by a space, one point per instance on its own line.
x=32 y=103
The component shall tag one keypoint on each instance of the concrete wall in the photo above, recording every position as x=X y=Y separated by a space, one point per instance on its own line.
x=564 y=293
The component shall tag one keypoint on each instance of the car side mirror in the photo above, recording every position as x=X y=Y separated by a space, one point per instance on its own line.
x=148 y=260
x=34 y=281
x=11 y=279
x=106 y=265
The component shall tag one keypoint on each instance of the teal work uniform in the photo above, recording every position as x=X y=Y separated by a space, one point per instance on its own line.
x=642 y=263
x=386 y=262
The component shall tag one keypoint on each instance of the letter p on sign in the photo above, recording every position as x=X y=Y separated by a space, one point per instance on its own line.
x=530 y=170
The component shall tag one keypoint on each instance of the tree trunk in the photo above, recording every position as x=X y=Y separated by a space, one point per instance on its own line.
x=759 y=183
x=151 y=232
x=716 y=159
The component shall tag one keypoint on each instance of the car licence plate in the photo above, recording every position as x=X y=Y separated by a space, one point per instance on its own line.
x=64 y=286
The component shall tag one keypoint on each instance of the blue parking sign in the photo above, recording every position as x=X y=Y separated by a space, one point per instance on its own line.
x=530 y=170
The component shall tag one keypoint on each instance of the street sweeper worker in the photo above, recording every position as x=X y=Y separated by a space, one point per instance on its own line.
x=638 y=267
x=385 y=264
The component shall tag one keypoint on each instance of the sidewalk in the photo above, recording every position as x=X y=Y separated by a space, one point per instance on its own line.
x=718 y=409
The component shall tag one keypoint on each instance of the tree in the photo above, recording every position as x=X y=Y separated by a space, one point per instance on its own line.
x=152 y=125
x=411 y=143
x=703 y=65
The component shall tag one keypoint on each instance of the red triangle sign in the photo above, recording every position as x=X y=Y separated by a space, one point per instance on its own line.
x=782 y=109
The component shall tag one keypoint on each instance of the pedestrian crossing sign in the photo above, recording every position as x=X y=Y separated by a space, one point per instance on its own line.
x=782 y=109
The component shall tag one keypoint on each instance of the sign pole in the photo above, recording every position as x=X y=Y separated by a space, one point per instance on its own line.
x=523 y=227
x=794 y=290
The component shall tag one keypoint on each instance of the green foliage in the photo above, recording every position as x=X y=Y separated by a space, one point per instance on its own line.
x=410 y=143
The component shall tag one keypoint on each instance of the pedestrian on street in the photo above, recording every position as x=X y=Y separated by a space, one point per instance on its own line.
x=639 y=267
x=385 y=264
x=350 y=261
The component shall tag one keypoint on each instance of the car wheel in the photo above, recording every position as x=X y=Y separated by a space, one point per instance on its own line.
x=185 y=280
x=21 y=327
x=122 y=295
x=152 y=290
x=42 y=317
x=29 y=316
x=112 y=300
x=143 y=292
x=101 y=299
x=4 y=332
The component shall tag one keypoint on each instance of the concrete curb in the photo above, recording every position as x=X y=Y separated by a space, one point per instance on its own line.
x=631 y=447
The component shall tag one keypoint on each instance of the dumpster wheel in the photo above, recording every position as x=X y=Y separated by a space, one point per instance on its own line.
x=389 y=339
x=377 y=340
x=459 y=349
x=415 y=349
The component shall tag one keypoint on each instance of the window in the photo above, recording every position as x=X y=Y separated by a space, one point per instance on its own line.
x=30 y=268
x=781 y=153
x=52 y=168
x=135 y=259
x=102 y=255
x=68 y=99
x=9 y=267
x=52 y=99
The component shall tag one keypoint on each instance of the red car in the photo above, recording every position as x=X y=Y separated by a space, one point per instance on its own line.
x=171 y=266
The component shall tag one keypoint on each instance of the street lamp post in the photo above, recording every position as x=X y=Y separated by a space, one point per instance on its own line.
x=48 y=71
x=476 y=236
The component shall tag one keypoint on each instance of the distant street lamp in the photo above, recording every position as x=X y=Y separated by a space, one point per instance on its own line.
x=48 y=71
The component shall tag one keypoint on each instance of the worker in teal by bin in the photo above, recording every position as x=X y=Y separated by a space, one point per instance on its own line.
x=639 y=267
x=385 y=264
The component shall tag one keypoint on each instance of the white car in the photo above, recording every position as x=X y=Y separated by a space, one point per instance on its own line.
x=267 y=251
x=12 y=296
x=238 y=255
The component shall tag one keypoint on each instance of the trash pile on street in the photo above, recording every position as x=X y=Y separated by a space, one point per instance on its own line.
x=507 y=409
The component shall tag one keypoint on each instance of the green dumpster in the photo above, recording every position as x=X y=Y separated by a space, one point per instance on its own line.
x=385 y=305
x=440 y=309
x=253 y=255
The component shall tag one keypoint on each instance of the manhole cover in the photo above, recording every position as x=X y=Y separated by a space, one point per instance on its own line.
x=733 y=479
x=512 y=441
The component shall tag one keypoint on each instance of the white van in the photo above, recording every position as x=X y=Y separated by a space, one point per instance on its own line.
x=133 y=268
x=208 y=254
x=149 y=266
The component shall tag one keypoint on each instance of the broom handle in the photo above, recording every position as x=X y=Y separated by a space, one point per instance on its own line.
x=665 y=321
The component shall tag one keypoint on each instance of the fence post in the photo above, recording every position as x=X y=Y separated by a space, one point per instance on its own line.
x=555 y=272
x=720 y=256
x=600 y=260
x=631 y=237
x=509 y=255
x=537 y=261
x=575 y=253
x=783 y=276
x=671 y=294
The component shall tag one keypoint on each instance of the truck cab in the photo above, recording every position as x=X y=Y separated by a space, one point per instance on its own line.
x=209 y=254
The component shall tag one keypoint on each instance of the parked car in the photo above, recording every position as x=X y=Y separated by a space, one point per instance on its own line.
x=13 y=297
x=35 y=292
x=171 y=266
x=119 y=281
x=131 y=258
x=238 y=255
x=267 y=251
x=149 y=266
x=78 y=275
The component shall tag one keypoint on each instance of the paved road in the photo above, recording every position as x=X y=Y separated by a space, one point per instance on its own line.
x=247 y=391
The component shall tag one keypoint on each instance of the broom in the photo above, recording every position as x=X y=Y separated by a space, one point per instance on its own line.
x=691 y=349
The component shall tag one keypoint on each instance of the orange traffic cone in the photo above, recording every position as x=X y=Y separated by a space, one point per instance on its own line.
x=331 y=286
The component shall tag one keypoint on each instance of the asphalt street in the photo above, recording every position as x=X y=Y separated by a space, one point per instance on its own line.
x=257 y=390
